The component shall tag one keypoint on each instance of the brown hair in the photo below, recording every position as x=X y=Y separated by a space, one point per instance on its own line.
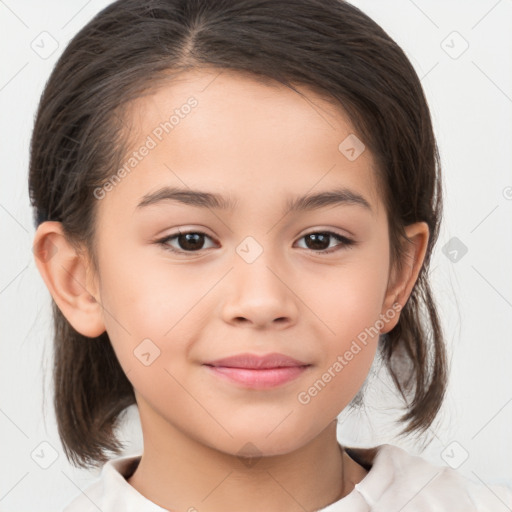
x=328 y=45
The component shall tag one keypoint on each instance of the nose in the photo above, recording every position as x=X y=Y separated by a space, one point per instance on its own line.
x=260 y=294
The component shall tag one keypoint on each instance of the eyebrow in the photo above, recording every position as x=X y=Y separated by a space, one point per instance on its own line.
x=201 y=199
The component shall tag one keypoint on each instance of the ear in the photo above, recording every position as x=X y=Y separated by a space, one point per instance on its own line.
x=68 y=276
x=400 y=285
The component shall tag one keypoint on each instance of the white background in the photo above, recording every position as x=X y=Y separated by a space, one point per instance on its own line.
x=471 y=101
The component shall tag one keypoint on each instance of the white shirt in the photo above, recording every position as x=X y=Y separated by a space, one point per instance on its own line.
x=396 y=481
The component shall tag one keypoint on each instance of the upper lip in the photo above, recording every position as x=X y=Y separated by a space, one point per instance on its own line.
x=254 y=361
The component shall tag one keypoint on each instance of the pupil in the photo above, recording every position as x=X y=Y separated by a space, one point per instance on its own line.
x=318 y=238
x=191 y=240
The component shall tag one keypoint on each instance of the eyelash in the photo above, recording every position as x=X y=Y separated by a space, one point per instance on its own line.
x=347 y=243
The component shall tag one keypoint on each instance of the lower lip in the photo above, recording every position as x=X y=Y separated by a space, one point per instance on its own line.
x=258 y=379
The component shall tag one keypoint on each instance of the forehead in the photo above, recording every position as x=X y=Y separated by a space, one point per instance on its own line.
x=242 y=128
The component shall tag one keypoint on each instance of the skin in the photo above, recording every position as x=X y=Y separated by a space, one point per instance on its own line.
x=258 y=144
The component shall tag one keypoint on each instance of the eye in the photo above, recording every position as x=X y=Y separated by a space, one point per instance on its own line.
x=321 y=240
x=318 y=241
x=191 y=241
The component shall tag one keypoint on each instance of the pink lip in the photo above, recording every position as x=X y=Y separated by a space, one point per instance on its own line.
x=258 y=372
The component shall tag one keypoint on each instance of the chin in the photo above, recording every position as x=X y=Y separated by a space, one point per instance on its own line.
x=254 y=444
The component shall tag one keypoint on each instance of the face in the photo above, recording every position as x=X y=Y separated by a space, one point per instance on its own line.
x=186 y=280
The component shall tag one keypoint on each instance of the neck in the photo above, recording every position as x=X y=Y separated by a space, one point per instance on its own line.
x=179 y=473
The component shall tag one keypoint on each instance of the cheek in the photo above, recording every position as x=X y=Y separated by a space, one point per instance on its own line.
x=348 y=302
x=347 y=355
x=144 y=294
x=153 y=315
x=348 y=299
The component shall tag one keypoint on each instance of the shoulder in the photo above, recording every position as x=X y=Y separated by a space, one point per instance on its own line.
x=400 y=480
x=111 y=492
x=91 y=498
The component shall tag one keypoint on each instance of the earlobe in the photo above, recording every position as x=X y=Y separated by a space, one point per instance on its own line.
x=68 y=278
x=401 y=286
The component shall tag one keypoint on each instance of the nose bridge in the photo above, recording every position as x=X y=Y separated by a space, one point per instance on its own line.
x=253 y=263
x=257 y=291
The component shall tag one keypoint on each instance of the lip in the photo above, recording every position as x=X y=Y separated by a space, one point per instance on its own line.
x=256 y=362
x=258 y=372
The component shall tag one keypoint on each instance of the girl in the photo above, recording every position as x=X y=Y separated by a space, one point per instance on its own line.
x=237 y=202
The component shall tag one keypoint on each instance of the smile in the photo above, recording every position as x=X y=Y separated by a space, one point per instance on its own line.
x=257 y=372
